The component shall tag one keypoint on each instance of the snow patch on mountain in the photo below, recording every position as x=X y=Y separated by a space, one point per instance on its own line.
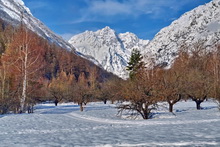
x=201 y=25
x=12 y=12
x=111 y=51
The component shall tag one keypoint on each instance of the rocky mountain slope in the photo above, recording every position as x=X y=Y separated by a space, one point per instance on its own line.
x=200 y=25
x=108 y=49
x=11 y=11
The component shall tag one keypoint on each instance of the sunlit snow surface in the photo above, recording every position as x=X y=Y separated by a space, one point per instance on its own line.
x=99 y=126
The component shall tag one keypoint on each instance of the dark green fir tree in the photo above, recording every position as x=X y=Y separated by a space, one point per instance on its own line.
x=135 y=63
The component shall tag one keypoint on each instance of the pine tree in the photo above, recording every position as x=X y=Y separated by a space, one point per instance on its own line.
x=135 y=63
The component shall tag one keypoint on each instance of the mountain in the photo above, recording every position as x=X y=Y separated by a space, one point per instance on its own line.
x=112 y=51
x=12 y=12
x=59 y=57
x=108 y=49
x=200 y=25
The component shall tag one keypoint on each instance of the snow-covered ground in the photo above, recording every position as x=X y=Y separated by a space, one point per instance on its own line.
x=99 y=126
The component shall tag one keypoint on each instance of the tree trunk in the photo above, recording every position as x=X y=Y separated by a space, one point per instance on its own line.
x=23 y=96
x=146 y=112
x=24 y=86
x=3 y=81
x=170 y=107
x=198 y=101
x=146 y=115
x=198 y=104
x=81 y=107
x=105 y=101
x=56 y=102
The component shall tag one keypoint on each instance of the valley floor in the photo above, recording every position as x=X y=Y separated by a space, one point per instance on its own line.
x=99 y=126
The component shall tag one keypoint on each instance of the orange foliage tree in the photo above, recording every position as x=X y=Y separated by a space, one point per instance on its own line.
x=25 y=56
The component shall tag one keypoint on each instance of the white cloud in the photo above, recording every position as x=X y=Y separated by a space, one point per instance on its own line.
x=104 y=10
x=133 y=7
x=109 y=7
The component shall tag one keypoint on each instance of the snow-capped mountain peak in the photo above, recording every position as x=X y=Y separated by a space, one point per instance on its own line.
x=200 y=25
x=110 y=50
x=106 y=31
x=16 y=5
x=13 y=11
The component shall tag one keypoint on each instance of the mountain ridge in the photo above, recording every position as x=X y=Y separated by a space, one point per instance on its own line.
x=112 y=51
x=15 y=11
x=200 y=25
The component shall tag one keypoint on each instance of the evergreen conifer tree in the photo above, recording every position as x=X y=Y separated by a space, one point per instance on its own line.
x=135 y=63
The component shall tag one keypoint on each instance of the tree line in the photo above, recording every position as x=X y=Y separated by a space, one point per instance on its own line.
x=194 y=75
x=33 y=70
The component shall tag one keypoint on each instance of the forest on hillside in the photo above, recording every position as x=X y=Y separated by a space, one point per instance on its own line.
x=33 y=70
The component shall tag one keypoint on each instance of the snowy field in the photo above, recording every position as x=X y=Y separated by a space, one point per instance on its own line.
x=99 y=126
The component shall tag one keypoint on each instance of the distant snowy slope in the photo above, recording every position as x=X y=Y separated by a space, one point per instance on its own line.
x=200 y=24
x=110 y=50
x=11 y=10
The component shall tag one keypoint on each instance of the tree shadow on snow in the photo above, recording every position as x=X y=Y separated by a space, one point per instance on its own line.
x=91 y=108
x=209 y=107
x=62 y=109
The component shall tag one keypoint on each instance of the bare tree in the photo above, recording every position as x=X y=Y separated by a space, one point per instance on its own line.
x=169 y=87
x=198 y=76
x=139 y=94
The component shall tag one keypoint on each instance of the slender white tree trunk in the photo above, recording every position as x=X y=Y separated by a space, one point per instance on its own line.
x=3 y=80
x=24 y=86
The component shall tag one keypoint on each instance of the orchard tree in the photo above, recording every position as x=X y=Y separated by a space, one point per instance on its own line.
x=171 y=82
x=109 y=90
x=169 y=87
x=81 y=92
x=215 y=67
x=139 y=95
x=198 y=77
x=61 y=87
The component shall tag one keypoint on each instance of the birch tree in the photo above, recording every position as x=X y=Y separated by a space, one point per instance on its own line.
x=25 y=55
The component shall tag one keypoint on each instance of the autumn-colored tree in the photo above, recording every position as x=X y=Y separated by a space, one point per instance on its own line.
x=171 y=82
x=140 y=94
x=169 y=87
x=198 y=76
x=25 y=56
x=6 y=88
x=139 y=91
x=214 y=66
x=81 y=92
x=61 y=87
x=110 y=90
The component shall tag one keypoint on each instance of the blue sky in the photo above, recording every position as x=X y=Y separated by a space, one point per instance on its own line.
x=143 y=17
